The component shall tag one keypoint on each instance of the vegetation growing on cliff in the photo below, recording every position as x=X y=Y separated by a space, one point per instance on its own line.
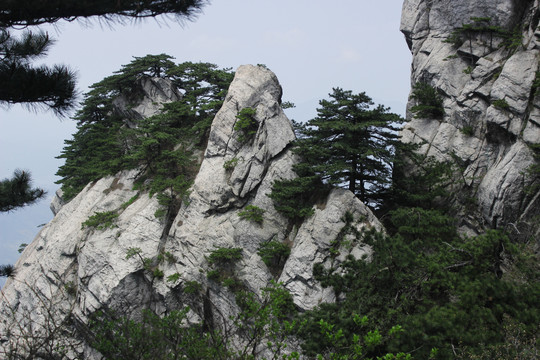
x=426 y=292
x=160 y=146
x=351 y=143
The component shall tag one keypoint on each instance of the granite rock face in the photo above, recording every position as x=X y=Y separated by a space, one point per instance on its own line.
x=487 y=82
x=83 y=269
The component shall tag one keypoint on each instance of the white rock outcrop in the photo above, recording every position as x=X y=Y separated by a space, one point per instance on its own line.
x=83 y=269
x=489 y=98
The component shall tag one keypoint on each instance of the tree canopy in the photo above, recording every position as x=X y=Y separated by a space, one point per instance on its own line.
x=18 y=192
x=14 y=13
x=105 y=143
x=54 y=87
x=351 y=144
x=21 y=83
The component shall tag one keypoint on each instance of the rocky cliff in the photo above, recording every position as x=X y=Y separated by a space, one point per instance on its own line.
x=482 y=57
x=72 y=271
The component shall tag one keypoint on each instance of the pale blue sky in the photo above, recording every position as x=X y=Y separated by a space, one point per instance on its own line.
x=310 y=45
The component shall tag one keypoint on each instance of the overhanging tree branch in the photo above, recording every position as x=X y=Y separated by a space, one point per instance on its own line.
x=16 y=13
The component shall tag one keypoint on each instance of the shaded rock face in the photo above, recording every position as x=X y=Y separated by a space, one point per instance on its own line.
x=86 y=269
x=152 y=93
x=490 y=102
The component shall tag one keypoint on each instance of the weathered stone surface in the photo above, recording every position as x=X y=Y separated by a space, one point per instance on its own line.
x=154 y=92
x=57 y=202
x=86 y=269
x=312 y=245
x=488 y=100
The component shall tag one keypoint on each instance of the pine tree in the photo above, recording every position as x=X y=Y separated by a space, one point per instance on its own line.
x=51 y=87
x=15 y=13
x=17 y=191
x=104 y=144
x=54 y=87
x=351 y=144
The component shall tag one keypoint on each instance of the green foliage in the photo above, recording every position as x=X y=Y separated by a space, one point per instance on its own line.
x=481 y=30
x=229 y=165
x=426 y=278
x=533 y=171
x=295 y=198
x=161 y=145
x=160 y=213
x=252 y=213
x=101 y=220
x=429 y=103
x=338 y=345
x=125 y=205
x=149 y=265
x=51 y=87
x=350 y=144
x=265 y=321
x=214 y=274
x=467 y=130
x=287 y=105
x=22 y=247
x=17 y=191
x=348 y=231
x=94 y=152
x=173 y=277
x=153 y=337
x=426 y=186
x=131 y=252
x=158 y=273
x=269 y=319
x=192 y=287
x=274 y=254
x=7 y=270
x=246 y=124
x=223 y=256
x=514 y=39
x=37 y=13
x=501 y=104
x=222 y=262
x=71 y=288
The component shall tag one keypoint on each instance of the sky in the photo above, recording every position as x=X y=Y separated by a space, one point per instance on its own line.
x=310 y=45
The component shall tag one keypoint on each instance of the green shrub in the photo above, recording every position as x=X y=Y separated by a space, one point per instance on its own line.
x=160 y=213
x=223 y=256
x=429 y=103
x=22 y=247
x=229 y=165
x=157 y=273
x=192 y=287
x=274 y=253
x=245 y=124
x=467 y=130
x=501 y=104
x=173 y=278
x=101 y=220
x=295 y=198
x=252 y=213
x=71 y=288
x=125 y=205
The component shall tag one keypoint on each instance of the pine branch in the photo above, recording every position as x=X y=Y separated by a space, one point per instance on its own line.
x=16 y=13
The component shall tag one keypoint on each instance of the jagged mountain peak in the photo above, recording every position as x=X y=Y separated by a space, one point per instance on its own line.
x=133 y=260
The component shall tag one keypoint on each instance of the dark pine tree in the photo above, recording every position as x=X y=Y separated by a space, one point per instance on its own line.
x=54 y=87
x=18 y=192
x=351 y=143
